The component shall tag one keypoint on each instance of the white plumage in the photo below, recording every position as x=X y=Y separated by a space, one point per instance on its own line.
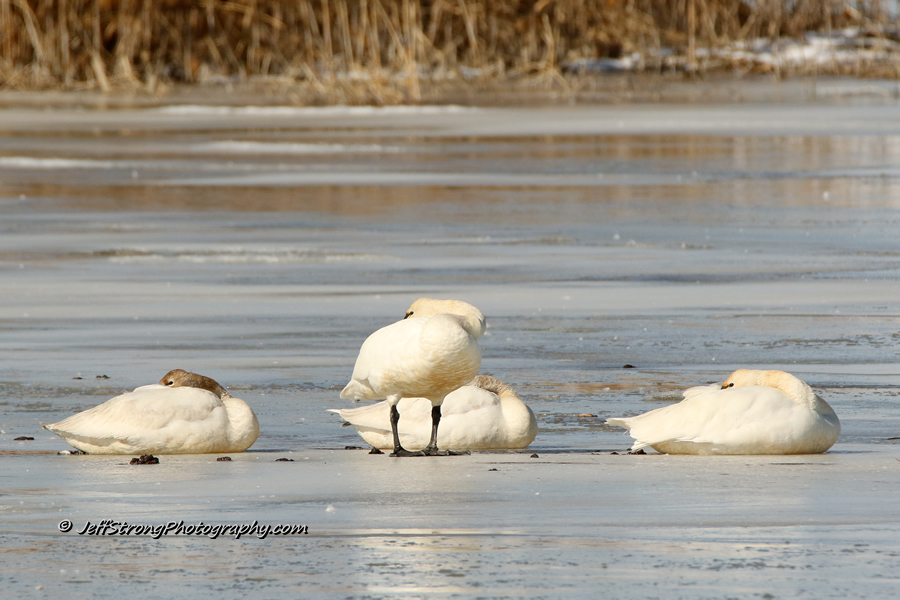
x=430 y=353
x=184 y=413
x=753 y=412
x=486 y=414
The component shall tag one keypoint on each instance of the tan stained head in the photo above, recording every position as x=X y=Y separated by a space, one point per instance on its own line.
x=182 y=378
x=492 y=384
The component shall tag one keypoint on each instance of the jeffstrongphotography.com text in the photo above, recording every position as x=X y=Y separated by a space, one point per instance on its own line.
x=110 y=527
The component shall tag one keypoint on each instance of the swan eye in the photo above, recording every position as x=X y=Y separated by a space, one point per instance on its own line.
x=408 y=315
x=729 y=385
x=170 y=383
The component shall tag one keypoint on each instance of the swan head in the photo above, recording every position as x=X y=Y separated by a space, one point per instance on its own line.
x=492 y=384
x=182 y=378
x=795 y=388
x=424 y=308
x=741 y=378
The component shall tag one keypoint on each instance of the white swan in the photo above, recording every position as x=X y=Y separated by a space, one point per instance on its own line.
x=486 y=414
x=753 y=412
x=430 y=353
x=184 y=413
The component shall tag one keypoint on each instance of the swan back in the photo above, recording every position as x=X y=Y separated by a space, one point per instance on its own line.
x=520 y=424
x=471 y=318
x=699 y=389
x=428 y=354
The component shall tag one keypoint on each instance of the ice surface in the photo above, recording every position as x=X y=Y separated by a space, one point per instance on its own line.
x=686 y=241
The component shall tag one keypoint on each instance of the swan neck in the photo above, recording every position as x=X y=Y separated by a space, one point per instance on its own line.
x=182 y=378
x=493 y=385
x=520 y=421
x=796 y=389
x=244 y=424
x=470 y=318
x=474 y=324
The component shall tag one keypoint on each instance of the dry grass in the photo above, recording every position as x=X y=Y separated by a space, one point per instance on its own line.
x=374 y=51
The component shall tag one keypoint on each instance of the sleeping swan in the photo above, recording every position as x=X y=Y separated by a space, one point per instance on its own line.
x=486 y=414
x=753 y=412
x=431 y=352
x=185 y=413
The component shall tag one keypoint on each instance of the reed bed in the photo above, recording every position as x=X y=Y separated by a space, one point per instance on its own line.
x=382 y=51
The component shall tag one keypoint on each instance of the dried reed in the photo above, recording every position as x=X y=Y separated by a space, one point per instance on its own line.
x=373 y=51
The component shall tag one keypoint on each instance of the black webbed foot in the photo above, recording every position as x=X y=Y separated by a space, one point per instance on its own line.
x=435 y=452
x=400 y=451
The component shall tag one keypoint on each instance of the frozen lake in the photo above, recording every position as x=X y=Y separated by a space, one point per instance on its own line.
x=261 y=245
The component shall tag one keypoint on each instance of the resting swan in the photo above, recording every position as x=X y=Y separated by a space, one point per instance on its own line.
x=753 y=412
x=486 y=414
x=185 y=413
x=431 y=352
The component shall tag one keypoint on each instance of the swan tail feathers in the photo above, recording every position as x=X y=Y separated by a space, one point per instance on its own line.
x=375 y=416
x=619 y=422
x=358 y=390
x=639 y=445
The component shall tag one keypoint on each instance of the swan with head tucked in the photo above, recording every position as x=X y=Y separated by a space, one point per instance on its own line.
x=486 y=414
x=753 y=412
x=430 y=353
x=185 y=413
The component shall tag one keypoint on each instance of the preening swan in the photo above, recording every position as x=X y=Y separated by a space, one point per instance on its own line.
x=486 y=414
x=185 y=413
x=431 y=352
x=753 y=412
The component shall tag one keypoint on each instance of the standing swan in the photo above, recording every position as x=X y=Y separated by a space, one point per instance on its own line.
x=754 y=412
x=185 y=413
x=486 y=414
x=431 y=352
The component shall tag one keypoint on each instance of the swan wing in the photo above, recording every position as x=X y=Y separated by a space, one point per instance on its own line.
x=740 y=417
x=145 y=411
x=388 y=349
x=469 y=400
x=733 y=417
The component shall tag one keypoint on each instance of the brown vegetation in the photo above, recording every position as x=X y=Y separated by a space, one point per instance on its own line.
x=375 y=51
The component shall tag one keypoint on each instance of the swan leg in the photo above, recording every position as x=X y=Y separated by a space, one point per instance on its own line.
x=431 y=449
x=398 y=449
